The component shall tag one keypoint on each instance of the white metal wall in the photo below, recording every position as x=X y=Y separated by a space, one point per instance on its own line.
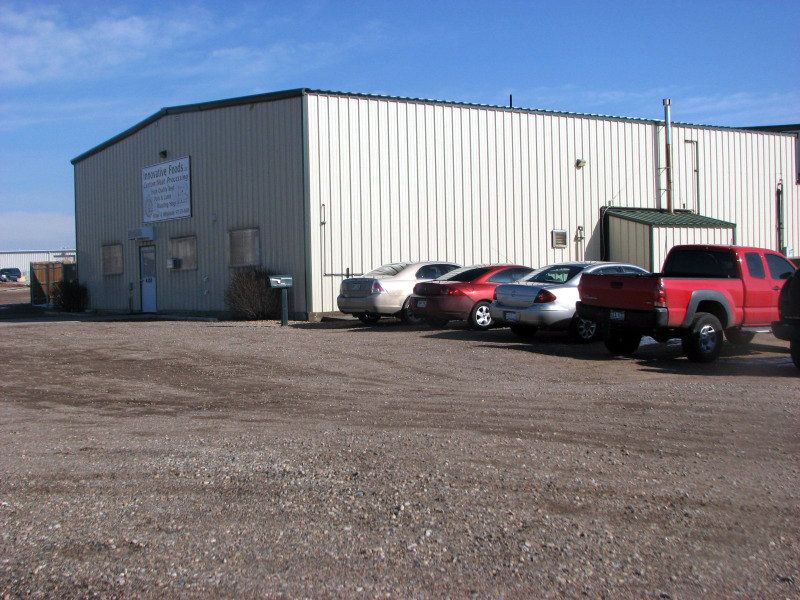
x=246 y=171
x=665 y=238
x=405 y=180
x=629 y=242
x=22 y=260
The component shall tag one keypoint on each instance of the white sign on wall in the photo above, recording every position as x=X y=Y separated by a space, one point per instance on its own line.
x=166 y=193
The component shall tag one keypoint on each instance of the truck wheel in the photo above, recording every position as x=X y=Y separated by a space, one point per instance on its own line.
x=582 y=330
x=406 y=316
x=794 y=349
x=368 y=318
x=526 y=332
x=623 y=343
x=737 y=337
x=703 y=342
x=480 y=318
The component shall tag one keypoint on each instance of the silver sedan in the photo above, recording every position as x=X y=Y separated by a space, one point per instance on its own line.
x=385 y=291
x=546 y=299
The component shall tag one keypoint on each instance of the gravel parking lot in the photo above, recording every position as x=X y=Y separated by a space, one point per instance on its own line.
x=334 y=460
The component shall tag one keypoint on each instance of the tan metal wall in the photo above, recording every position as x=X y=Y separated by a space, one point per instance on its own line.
x=405 y=180
x=665 y=238
x=246 y=171
x=629 y=242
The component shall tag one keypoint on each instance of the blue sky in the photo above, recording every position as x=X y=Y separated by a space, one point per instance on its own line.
x=73 y=74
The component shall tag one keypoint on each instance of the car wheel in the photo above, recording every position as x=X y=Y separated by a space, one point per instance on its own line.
x=407 y=317
x=368 y=318
x=794 y=349
x=737 y=337
x=436 y=322
x=703 y=342
x=524 y=331
x=583 y=330
x=480 y=317
x=623 y=343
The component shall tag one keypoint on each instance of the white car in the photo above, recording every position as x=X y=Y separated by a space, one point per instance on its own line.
x=546 y=299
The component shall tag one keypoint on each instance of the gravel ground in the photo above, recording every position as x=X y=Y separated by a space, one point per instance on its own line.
x=190 y=459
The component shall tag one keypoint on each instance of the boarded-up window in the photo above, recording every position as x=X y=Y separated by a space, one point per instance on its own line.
x=244 y=247
x=112 y=259
x=184 y=249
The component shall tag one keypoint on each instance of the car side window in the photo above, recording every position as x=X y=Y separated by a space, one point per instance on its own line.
x=754 y=265
x=520 y=272
x=428 y=272
x=504 y=276
x=778 y=266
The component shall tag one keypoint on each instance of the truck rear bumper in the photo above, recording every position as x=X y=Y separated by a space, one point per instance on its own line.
x=624 y=319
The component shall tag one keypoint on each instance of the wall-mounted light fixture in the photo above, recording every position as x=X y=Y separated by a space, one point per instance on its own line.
x=163 y=154
x=580 y=163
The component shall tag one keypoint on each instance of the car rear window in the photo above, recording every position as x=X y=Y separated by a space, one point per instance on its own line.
x=709 y=264
x=465 y=274
x=387 y=270
x=555 y=274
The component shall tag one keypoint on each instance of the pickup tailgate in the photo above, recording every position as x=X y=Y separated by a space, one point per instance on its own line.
x=626 y=292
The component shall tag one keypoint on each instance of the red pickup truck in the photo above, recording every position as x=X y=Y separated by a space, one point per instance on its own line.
x=701 y=292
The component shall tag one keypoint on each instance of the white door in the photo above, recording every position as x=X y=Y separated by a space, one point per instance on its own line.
x=147 y=275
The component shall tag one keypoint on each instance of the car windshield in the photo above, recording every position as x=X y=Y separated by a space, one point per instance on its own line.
x=387 y=270
x=465 y=274
x=554 y=274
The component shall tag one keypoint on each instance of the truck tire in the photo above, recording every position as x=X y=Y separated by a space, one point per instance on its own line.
x=703 y=342
x=794 y=349
x=737 y=337
x=622 y=343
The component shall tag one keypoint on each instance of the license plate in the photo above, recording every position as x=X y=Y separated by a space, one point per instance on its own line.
x=617 y=315
x=422 y=303
x=511 y=316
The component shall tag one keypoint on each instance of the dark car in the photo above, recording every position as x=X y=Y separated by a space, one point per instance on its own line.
x=10 y=274
x=788 y=325
x=463 y=294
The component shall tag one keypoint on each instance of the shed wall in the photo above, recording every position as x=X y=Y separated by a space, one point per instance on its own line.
x=246 y=171
x=629 y=242
x=393 y=180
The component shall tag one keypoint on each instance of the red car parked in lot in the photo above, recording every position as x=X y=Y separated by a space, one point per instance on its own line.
x=463 y=294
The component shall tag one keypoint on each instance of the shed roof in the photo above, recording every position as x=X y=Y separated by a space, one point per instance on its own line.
x=661 y=218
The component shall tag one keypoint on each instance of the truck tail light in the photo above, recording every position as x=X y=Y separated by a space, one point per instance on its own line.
x=660 y=300
x=377 y=288
x=544 y=296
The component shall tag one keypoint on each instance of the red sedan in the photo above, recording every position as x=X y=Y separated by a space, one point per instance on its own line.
x=463 y=294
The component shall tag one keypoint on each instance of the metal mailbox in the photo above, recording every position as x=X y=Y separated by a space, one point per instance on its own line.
x=282 y=282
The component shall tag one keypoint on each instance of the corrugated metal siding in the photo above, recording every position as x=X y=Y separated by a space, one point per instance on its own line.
x=246 y=171
x=665 y=238
x=405 y=180
x=629 y=242
x=23 y=260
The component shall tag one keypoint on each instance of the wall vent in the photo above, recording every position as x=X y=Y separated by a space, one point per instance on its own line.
x=558 y=238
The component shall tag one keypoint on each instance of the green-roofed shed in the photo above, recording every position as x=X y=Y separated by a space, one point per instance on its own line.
x=643 y=236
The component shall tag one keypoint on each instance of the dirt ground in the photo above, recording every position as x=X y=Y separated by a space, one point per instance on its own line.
x=195 y=459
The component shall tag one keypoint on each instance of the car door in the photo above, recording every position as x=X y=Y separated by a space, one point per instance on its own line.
x=778 y=269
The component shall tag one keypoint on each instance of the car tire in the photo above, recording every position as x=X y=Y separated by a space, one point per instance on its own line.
x=481 y=318
x=368 y=318
x=407 y=317
x=436 y=322
x=583 y=330
x=794 y=350
x=703 y=342
x=526 y=332
x=737 y=337
x=623 y=343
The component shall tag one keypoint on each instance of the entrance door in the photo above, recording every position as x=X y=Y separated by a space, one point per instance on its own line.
x=147 y=277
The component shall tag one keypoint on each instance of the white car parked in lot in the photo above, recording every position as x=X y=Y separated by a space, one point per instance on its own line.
x=385 y=291
x=546 y=299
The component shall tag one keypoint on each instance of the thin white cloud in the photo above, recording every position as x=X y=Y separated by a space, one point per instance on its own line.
x=36 y=230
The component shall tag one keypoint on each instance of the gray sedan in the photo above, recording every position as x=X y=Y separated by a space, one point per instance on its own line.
x=385 y=291
x=546 y=299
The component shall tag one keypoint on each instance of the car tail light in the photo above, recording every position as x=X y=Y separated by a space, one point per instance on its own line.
x=377 y=288
x=454 y=291
x=545 y=296
x=660 y=300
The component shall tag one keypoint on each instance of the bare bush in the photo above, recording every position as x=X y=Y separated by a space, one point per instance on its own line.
x=69 y=296
x=249 y=296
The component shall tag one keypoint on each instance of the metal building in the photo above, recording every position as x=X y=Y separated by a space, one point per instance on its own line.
x=22 y=259
x=320 y=185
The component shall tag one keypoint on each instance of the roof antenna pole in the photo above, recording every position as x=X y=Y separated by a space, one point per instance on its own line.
x=668 y=158
x=510 y=101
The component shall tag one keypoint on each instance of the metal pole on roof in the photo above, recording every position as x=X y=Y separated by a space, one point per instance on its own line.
x=668 y=158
